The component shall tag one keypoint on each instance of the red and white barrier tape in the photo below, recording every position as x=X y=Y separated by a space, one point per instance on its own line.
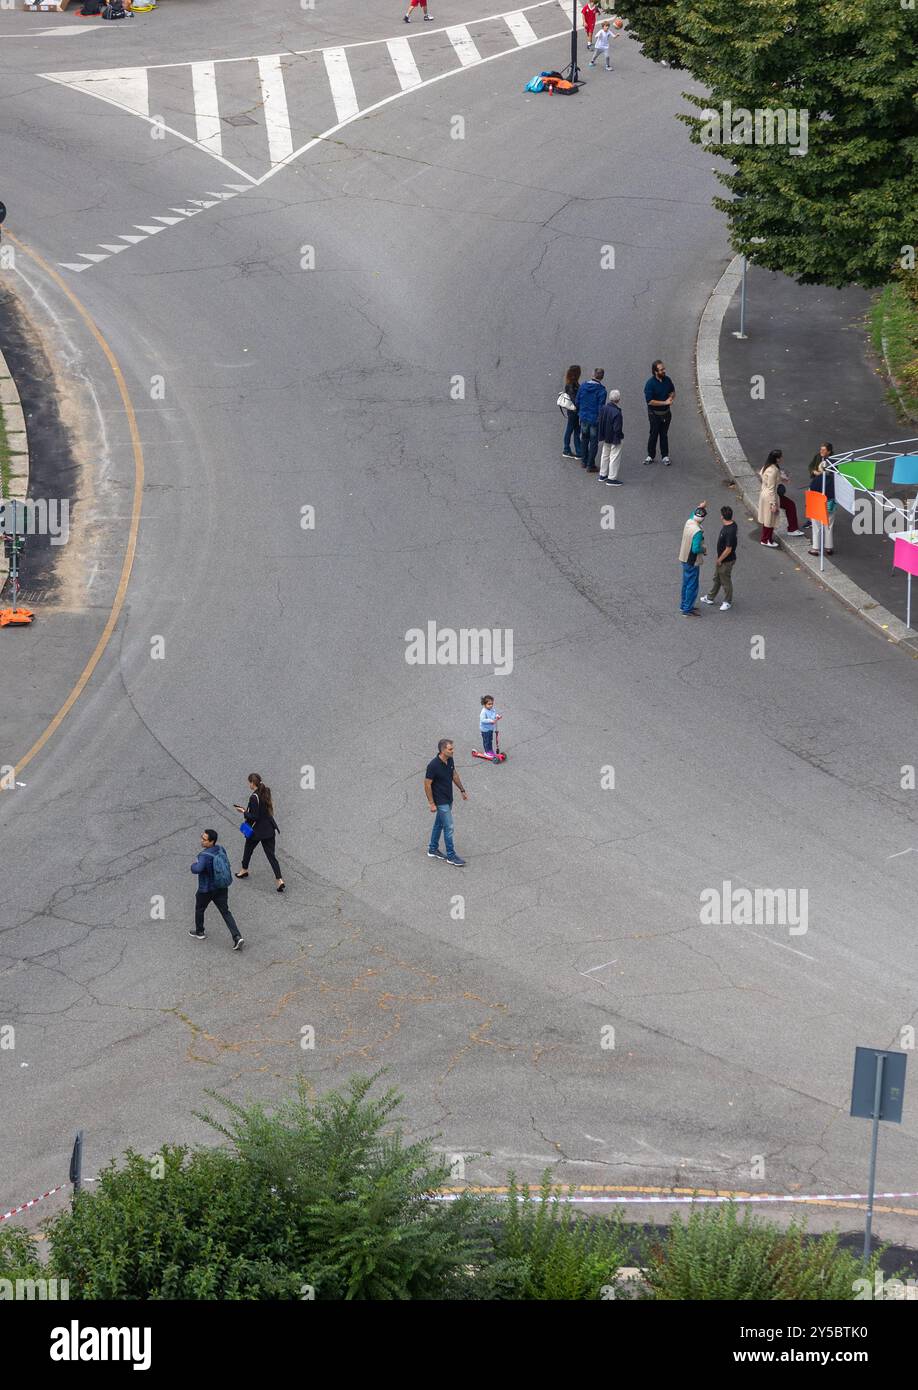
x=25 y=1206
x=670 y=1201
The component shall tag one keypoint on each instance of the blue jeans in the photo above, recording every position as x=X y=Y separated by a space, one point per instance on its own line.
x=572 y=434
x=589 y=440
x=487 y=738
x=690 y=577
x=443 y=821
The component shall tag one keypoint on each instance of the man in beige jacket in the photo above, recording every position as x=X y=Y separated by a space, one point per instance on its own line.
x=691 y=553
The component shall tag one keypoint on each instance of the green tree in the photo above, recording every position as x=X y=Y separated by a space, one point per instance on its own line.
x=841 y=212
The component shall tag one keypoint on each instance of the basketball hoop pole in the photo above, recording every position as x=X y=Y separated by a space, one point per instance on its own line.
x=573 y=72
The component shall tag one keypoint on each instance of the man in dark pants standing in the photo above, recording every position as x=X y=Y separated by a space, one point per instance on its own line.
x=590 y=400
x=208 y=891
x=659 y=393
x=438 y=788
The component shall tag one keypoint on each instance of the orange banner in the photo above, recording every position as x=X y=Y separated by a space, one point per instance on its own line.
x=817 y=507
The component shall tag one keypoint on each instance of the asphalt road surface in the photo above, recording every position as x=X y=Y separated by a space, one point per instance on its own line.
x=376 y=328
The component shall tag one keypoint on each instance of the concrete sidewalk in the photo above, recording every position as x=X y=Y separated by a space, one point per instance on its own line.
x=810 y=346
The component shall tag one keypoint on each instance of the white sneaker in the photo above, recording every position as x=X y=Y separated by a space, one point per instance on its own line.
x=665 y=461
x=707 y=600
x=796 y=533
x=725 y=605
x=772 y=545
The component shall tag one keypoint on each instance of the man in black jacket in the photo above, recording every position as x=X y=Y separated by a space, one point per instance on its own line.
x=611 y=434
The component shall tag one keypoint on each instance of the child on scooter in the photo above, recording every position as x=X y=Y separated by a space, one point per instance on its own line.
x=487 y=724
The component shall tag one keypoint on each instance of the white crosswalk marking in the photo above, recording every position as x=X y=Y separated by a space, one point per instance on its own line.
x=341 y=83
x=265 y=110
x=406 y=69
x=123 y=86
x=520 y=28
x=206 y=107
x=277 y=117
x=464 y=45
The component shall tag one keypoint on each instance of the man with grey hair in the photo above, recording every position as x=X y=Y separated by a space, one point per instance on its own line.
x=611 y=434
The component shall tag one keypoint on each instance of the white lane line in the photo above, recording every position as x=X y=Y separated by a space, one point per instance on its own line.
x=567 y=7
x=593 y=968
x=341 y=83
x=464 y=45
x=406 y=69
x=520 y=28
x=277 y=117
x=206 y=107
x=780 y=945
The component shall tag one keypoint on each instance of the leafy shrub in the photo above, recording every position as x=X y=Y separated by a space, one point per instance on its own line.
x=356 y=1196
x=714 y=1255
x=543 y=1249
x=18 y=1257
x=199 y=1231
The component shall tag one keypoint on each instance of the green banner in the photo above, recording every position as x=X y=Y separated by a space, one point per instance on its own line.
x=862 y=472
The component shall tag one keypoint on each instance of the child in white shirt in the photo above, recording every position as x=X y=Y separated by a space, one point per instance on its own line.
x=603 y=40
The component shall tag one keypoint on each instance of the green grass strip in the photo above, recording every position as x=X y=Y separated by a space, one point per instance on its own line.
x=894 y=332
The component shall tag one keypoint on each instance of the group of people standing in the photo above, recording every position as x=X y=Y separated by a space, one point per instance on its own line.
x=773 y=499
x=593 y=417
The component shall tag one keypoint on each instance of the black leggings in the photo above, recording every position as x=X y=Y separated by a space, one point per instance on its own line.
x=268 y=847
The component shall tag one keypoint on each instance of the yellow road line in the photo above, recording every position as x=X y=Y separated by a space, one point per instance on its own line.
x=128 y=562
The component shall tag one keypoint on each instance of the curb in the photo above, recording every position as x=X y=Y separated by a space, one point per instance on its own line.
x=17 y=438
x=719 y=424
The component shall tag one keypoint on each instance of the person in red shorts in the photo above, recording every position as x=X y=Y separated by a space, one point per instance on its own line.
x=589 y=12
x=413 y=4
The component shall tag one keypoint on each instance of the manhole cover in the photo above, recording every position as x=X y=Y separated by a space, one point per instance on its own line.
x=238 y=120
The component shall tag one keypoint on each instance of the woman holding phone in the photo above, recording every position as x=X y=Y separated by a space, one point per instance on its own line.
x=259 y=814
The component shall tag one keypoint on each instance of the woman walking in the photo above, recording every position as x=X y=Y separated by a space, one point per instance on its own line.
x=259 y=814
x=769 y=510
x=572 y=428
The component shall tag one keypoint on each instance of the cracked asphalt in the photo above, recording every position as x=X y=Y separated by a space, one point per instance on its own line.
x=285 y=650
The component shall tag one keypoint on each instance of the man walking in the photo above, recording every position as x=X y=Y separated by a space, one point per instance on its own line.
x=726 y=558
x=690 y=553
x=590 y=400
x=611 y=434
x=439 y=778
x=659 y=393
x=214 y=878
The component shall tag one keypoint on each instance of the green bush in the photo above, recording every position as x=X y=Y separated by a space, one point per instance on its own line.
x=181 y=1228
x=356 y=1195
x=714 y=1255
x=18 y=1256
x=542 y=1248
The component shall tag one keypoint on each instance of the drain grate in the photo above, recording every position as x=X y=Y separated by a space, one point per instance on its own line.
x=238 y=120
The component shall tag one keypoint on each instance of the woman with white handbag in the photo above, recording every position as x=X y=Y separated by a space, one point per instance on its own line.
x=572 y=426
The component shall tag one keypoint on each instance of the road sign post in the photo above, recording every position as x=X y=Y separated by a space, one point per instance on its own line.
x=13 y=542
x=877 y=1090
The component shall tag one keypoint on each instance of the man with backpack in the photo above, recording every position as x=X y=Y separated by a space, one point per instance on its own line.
x=212 y=867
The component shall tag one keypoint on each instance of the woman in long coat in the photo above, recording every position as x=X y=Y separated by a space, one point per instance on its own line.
x=769 y=504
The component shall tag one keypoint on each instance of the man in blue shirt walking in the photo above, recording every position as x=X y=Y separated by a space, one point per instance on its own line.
x=659 y=393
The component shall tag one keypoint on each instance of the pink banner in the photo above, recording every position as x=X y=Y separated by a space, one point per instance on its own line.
x=905 y=556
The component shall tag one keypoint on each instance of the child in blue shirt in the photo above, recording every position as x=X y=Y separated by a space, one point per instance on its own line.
x=487 y=724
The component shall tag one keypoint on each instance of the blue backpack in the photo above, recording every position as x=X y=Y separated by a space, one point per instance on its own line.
x=536 y=85
x=222 y=873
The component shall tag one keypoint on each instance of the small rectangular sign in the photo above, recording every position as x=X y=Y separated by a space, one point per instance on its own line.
x=817 y=507
x=862 y=472
x=905 y=556
x=905 y=469
x=863 y=1086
